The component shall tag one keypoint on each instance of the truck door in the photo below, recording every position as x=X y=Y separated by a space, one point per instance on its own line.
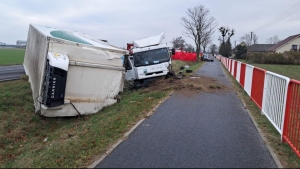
x=130 y=74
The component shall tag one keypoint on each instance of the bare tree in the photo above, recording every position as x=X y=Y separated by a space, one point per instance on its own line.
x=178 y=42
x=198 y=24
x=273 y=40
x=249 y=40
x=213 y=48
x=225 y=46
x=189 y=48
x=255 y=38
x=205 y=41
x=227 y=33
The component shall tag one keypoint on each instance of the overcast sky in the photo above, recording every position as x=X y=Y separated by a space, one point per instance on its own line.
x=122 y=21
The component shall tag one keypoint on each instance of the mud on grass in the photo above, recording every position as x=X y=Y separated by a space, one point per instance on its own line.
x=187 y=85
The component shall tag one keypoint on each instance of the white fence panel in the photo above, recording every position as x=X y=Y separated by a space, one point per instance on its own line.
x=274 y=99
x=248 y=79
x=229 y=61
x=238 y=71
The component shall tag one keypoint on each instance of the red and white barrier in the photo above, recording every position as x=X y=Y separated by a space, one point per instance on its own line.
x=235 y=69
x=274 y=99
x=238 y=72
x=277 y=96
x=257 y=90
x=291 y=127
x=229 y=68
x=232 y=67
x=248 y=79
x=243 y=74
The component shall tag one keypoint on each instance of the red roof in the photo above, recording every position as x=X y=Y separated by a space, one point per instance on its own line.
x=273 y=48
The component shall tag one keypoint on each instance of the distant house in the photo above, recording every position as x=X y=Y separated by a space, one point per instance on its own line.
x=291 y=43
x=234 y=49
x=258 y=48
x=21 y=43
x=242 y=44
x=2 y=43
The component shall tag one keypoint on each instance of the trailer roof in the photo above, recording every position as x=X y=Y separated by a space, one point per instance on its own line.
x=149 y=41
x=73 y=36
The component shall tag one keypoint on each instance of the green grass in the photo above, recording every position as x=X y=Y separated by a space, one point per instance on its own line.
x=194 y=66
x=284 y=153
x=11 y=56
x=291 y=71
x=71 y=142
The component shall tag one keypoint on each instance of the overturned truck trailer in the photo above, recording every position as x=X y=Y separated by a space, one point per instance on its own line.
x=70 y=73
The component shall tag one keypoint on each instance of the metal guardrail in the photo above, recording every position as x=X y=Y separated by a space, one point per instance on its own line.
x=235 y=69
x=277 y=96
x=248 y=79
x=243 y=74
x=291 y=129
x=274 y=99
x=238 y=71
x=257 y=90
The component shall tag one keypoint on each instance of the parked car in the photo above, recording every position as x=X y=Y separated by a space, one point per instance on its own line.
x=208 y=58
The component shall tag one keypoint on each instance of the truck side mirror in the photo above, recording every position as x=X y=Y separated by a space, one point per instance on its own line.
x=127 y=64
x=173 y=51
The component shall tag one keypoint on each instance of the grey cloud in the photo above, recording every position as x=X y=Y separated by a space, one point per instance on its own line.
x=121 y=21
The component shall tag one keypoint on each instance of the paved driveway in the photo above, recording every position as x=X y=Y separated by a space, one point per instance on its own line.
x=11 y=72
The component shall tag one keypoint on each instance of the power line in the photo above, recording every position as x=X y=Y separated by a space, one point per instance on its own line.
x=281 y=16
x=284 y=12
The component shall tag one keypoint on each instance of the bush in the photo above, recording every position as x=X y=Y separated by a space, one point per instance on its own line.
x=256 y=58
x=276 y=58
x=241 y=52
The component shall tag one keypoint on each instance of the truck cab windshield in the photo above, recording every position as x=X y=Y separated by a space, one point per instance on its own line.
x=151 y=57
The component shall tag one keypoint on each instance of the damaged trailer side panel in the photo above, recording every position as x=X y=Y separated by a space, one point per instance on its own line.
x=95 y=74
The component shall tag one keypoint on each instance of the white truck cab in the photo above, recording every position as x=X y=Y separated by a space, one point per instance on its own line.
x=149 y=59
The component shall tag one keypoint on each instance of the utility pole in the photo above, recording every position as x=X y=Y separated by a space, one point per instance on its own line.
x=251 y=37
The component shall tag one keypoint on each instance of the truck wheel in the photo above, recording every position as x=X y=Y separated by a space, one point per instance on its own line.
x=172 y=73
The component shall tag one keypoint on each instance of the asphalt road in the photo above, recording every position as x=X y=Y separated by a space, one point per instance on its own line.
x=205 y=130
x=11 y=72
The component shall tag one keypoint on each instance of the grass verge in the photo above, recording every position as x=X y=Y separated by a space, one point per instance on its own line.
x=284 y=153
x=194 y=66
x=11 y=56
x=28 y=140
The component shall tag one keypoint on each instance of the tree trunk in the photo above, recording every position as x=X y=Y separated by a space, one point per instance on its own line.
x=197 y=53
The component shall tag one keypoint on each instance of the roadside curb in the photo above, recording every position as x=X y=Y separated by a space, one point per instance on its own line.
x=262 y=135
x=126 y=135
